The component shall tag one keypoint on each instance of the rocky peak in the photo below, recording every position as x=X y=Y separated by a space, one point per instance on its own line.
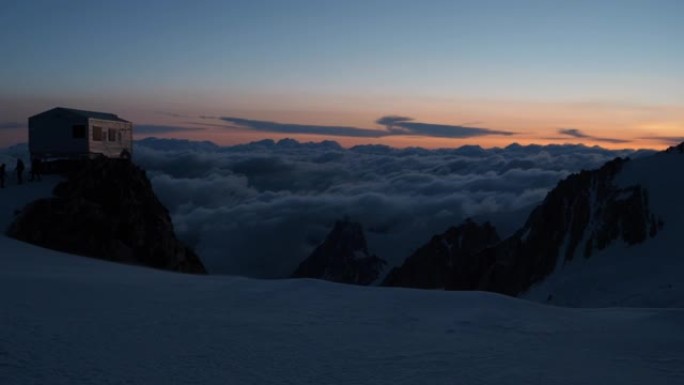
x=678 y=148
x=584 y=213
x=445 y=261
x=342 y=257
x=107 y=209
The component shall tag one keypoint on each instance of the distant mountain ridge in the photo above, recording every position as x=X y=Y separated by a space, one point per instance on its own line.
x=169 y=144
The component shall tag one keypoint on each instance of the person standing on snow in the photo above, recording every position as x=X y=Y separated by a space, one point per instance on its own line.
x=20 y=170
x=36 y=171
x=2 y=175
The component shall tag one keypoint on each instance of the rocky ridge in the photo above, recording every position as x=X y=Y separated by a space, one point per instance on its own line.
x=106 y=209
x=342 y=257
x=584 y=213
x=446 y=261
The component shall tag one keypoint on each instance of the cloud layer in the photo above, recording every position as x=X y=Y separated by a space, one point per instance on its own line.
x=402 y=125
x=290 y=128
x=671 y=140
x=259 y=209
x=147 y=129
x=575 y=133
x=394 y=126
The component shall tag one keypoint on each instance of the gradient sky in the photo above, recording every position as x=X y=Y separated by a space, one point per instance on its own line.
x=595 y=72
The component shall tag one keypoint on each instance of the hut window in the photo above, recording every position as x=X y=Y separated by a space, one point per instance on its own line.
x=78 y=131
x=118 y=136
x=97 y=133
x=112 y=135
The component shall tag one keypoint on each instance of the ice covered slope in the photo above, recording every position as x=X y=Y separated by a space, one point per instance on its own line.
x=648 y=274
x=72 y=320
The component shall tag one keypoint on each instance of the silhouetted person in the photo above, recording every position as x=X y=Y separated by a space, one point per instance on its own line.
x=2 y=175
x=36 y=169
x=20 y=170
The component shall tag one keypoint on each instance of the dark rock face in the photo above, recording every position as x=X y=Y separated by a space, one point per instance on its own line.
x=584 y=213
x=447 y=261
x=106 y=209
x=342 y=257
x=678 y=148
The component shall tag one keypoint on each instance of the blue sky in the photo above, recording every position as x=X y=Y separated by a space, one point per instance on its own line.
x=343 y=63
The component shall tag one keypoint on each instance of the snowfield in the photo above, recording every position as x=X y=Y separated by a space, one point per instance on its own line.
x=72 y=320
x=66 y=319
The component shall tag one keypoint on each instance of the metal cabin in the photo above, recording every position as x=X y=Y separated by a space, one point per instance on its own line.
x=70 y=133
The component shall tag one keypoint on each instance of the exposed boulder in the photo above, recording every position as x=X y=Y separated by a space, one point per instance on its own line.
x=342 y=257
x=106 y=209
x=447 y=261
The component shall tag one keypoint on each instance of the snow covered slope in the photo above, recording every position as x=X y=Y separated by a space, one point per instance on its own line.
x=73 y=320
x=647 y=274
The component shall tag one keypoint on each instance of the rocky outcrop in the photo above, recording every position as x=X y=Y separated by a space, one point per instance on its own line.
x=342 y=257
x=584 y=213
x=106 y=209
x=678 y=148
x=447 y=261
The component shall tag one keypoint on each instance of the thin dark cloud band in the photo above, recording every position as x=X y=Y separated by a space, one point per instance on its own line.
x=394 y=126
x=162 y=129
x=671 y=140
x=289 y=128
x=575 y=133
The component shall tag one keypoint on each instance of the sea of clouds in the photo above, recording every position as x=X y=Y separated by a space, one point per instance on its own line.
x=259 y=209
